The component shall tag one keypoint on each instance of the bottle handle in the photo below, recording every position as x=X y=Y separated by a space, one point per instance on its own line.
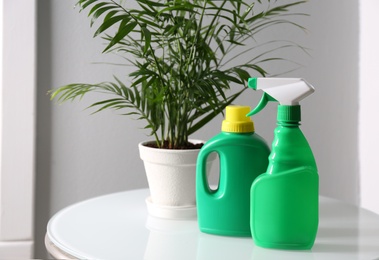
x=202 y=181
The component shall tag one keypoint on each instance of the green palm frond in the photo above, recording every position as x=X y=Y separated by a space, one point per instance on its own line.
x=186 y=55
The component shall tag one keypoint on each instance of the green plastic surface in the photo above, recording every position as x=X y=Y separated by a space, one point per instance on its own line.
x=242 y=157
x=284 y=200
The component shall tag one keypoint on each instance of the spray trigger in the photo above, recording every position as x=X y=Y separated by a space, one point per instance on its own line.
x=264 y=100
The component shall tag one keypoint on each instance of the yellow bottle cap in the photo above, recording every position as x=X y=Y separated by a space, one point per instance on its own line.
x=236 y=120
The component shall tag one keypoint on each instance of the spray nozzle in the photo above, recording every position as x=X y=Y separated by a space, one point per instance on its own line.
x=286 y=91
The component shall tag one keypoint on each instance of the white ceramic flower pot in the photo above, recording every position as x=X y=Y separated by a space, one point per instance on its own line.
x=171 y=175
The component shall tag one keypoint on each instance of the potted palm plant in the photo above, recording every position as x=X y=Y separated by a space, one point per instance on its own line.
x=186 y=54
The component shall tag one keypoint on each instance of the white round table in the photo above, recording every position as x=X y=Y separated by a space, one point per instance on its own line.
x=117 y=226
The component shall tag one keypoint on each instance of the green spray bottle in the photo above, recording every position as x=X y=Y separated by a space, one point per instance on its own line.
x=243 y=155
x=284 y=200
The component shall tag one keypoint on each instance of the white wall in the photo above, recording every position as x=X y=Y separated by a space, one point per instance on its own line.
x=82 y=155
x=368 y=111
x=17 y=134
x=331 y=115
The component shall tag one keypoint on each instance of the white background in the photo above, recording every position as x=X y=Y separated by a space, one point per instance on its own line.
x=368 y=109
x=17 y=133
x=79 y=155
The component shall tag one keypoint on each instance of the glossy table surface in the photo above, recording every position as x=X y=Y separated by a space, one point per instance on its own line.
x=117 y=226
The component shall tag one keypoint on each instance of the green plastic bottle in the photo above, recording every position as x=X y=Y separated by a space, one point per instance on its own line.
x=243 y=155
x=284 y=200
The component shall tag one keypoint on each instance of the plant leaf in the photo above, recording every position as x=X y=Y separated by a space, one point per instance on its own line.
x=110 y=22
x=121 y=34
x=147 y=35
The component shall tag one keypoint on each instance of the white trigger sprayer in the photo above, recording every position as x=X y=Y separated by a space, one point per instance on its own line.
x=287 y=91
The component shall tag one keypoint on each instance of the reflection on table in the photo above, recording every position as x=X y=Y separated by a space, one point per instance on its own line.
x=117 y=226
